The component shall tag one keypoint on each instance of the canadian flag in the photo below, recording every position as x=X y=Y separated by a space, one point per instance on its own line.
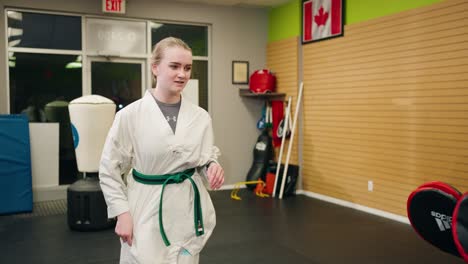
x=321 y=19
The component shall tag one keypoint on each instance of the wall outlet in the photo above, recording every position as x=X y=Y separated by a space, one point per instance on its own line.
x=370 y=186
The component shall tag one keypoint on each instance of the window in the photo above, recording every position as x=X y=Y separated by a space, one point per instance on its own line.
x=39 y=73
x=200 y=72
x=38 y=79
x=120 y=82
x=32 y=30
x=45 y=74
x=197 y=38
x=115 y=36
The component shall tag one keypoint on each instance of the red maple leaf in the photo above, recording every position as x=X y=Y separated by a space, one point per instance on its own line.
x=321 y=18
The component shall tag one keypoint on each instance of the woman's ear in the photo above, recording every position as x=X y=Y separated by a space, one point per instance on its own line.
x=154 y=69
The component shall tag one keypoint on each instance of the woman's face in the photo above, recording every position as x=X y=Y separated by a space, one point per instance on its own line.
x=174 y=69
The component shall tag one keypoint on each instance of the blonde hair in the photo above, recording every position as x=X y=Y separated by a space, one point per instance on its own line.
x=161 y=46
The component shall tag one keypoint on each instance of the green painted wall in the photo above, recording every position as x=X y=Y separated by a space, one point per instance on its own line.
x=285 y=20
x=362 y=10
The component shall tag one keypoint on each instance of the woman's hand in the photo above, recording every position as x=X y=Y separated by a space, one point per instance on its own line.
x=124 y=227
x=215 y=174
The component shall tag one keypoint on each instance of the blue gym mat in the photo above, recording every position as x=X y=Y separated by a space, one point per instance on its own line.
x=15 y=165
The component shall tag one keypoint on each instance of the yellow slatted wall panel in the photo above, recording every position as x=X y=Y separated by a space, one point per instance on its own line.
x=282 y=59
x=388 y=102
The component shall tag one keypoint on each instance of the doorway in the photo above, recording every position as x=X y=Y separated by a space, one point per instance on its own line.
x=121 y=80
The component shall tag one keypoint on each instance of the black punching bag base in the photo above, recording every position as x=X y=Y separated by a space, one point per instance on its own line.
x=87 y=210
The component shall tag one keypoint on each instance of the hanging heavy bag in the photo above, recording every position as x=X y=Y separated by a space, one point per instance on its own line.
x=262 y=154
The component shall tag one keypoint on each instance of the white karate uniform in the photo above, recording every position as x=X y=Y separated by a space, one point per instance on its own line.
x=141 y=138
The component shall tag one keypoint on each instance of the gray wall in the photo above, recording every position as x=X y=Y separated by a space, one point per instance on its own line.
x=237 y=34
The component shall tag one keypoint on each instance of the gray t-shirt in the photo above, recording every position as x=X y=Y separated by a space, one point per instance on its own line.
x=170 y=111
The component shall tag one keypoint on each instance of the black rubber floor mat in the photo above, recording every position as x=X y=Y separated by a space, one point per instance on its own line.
x=56 y=207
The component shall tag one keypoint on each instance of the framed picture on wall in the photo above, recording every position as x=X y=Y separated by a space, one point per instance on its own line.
x=240 y=72
x=321 y=19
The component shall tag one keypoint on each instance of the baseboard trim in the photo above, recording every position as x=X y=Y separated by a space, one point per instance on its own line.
x=60 y=192
x=41 y=194
x=366 y=209
x=230 y=187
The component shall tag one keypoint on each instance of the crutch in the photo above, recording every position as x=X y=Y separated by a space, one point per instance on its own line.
x=291 y=140
x=283 y=137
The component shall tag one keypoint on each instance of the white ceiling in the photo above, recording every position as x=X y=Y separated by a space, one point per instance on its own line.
x=246 y=3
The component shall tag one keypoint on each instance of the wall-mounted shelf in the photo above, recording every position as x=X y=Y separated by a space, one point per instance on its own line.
x=244 y=92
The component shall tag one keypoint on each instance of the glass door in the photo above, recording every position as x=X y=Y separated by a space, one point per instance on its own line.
x=121 y=80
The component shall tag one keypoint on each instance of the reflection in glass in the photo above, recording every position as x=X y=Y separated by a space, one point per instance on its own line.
x=120 y=82
x=33 y=30
x=75 y=64
x=200 y=72
x=38 y=79
x=195 y=36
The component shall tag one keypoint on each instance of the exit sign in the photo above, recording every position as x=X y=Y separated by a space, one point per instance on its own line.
x=113 y=6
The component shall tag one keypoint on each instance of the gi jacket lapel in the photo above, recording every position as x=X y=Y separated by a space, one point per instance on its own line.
x=158 y=115
x=182 y=120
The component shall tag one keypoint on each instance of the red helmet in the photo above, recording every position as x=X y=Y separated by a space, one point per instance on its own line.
x=262 y=81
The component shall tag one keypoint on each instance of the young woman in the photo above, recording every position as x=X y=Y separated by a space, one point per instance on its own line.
x=155 y=153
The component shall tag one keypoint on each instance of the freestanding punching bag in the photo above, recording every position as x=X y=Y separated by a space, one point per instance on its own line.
x=262 y=155
x=91 y=117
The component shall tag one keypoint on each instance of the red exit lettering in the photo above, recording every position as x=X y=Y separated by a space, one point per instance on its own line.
x=114 y=5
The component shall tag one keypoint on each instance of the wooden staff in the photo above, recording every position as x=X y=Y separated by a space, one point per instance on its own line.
x=283 y=137
x=291 y=140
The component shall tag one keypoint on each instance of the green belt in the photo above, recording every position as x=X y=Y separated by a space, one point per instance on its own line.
x=170 y=179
